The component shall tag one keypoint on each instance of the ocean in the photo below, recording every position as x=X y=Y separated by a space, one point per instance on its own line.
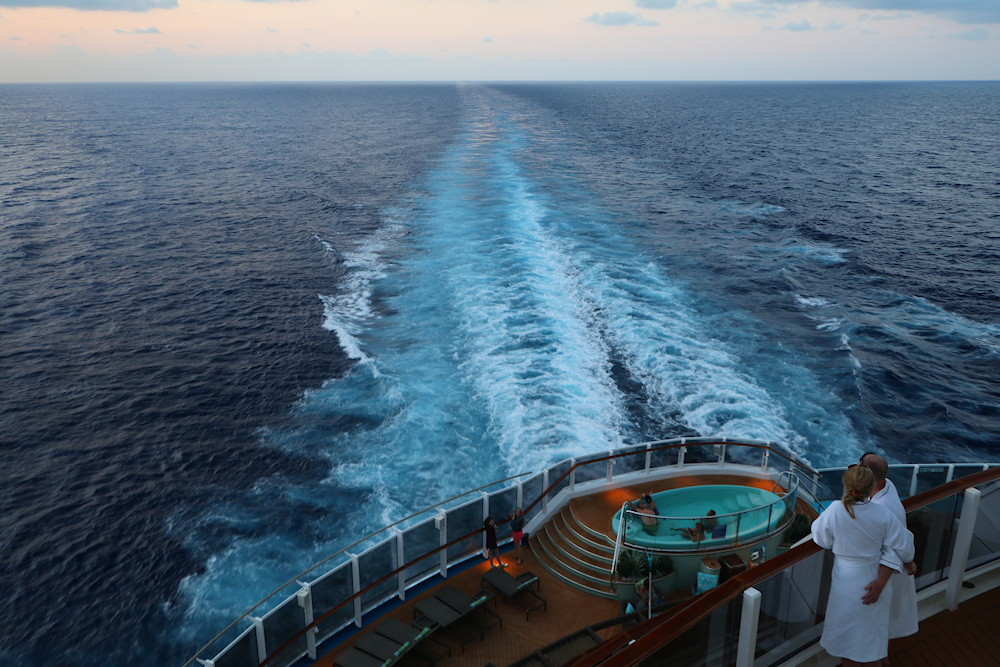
x=241 y=324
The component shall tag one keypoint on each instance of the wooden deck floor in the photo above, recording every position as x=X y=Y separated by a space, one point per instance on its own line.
x=966 y=637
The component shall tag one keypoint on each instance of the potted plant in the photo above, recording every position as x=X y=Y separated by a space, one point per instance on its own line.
x=801 y=526
x=633 y=566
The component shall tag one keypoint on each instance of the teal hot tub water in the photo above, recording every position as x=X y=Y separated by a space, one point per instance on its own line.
x=743 y=513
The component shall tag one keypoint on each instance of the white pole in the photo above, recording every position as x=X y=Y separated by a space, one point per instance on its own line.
x=960 y=556
x=749 y=618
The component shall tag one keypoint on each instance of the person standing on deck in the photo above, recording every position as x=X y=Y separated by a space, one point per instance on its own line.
x=491 y=542
x=903 y=620
x=859 y=532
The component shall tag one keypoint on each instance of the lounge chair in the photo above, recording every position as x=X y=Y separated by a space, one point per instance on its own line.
x=467 y=605
x=352 y=657
x=519 y=590
x=432 y=613
x=413 y=638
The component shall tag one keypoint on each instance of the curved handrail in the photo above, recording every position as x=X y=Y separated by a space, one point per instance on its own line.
x=793 y=487
x=632 y=646
x=295 y=579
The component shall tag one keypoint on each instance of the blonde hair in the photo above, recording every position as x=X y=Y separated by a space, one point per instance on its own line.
x=858 y=484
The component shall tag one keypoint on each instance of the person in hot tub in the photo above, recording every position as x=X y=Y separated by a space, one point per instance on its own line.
x=706 y=525
x=647 y=514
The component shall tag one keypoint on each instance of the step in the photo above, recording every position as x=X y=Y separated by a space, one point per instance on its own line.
x=542 y=551
x=580 y=537
x=587 y=556
x=595 y=535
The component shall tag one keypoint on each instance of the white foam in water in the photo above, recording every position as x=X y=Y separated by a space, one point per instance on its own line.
x=508 y=313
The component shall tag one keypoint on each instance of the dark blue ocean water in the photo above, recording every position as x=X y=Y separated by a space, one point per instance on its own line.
x=241 y=323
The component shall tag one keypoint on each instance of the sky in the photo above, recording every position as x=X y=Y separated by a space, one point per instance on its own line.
x=498 y=40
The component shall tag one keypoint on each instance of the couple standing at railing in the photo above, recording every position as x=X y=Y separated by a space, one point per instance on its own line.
x=866 y=529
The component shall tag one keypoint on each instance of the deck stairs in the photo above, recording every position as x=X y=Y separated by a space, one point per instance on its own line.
x=576 y=553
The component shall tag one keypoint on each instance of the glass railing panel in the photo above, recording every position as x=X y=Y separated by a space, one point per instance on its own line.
x=502 y=504
x=588 y=470
x=985 y=546
x=934 y=528
x=462 y=520
x=792 y=604
x=664 y=458
x=632 y=459
x=280 y=625
x=555 y=472
x=902 y=477
x=532 y=489
x=327 y=592
x=372 y=566
x=701 y=454
x=960 y=471
x=712 y=642
x=241 y=653
x=831 y=485
x=744 y=455
x=930 y=476
x=419 y=541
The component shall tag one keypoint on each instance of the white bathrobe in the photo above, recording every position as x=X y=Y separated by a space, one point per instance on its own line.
x=903 y=620
x=854 y=630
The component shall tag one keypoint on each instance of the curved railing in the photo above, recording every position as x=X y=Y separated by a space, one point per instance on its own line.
x=950 y=543
x=407 y=556
x=725 y=530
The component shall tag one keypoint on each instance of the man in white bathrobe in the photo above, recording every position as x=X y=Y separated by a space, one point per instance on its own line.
x=856 y=630
x=903 y=608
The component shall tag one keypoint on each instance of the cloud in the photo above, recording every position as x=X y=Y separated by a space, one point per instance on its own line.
x=833 y=25
x=272 y=29
x=974 y=34
x=961 y=11
x=487 y=38
x=140 y=31
x=13 y=39
x=619 y=19
x=801 y=26
x=656 y=4
x=95 y=5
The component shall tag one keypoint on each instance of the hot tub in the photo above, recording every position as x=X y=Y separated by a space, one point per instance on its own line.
x=743 y=513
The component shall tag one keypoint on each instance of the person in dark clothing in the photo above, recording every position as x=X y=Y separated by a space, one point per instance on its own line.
x=491 y=542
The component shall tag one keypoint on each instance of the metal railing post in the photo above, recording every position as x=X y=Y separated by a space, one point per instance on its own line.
x=400 y=562
x=258 y=626
x=913 y=480
x=680 y=456
x=611 y=463
x=545 y=495
x=960 y=556
x=356 y=588
x=520 y=494
x=649 y=457
x=572 y=474
x=441 y=523
x=305 y=601
x=749 y=617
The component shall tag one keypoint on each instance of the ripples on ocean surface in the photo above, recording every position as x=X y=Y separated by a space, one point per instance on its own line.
x=240 y=323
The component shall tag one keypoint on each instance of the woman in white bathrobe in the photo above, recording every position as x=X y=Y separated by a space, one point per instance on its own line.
x=858 y=531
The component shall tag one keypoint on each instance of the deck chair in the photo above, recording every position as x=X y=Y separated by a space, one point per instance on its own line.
x=417 y=639
x=352 y=657
x=432 y=613
x=468 y=605
x=519 y=590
